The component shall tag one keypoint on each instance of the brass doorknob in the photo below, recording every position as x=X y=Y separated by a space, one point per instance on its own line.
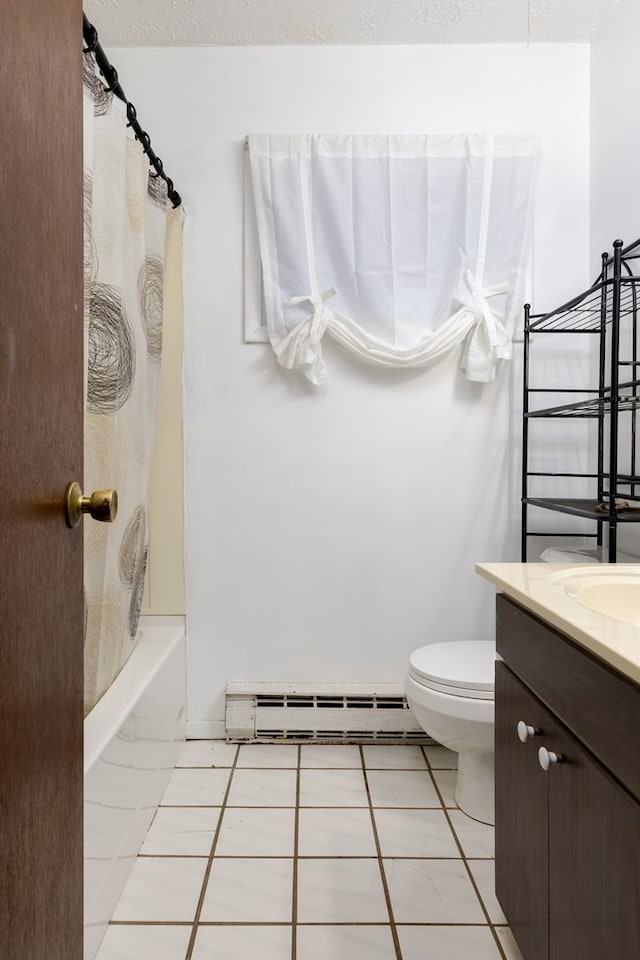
x=101 y=505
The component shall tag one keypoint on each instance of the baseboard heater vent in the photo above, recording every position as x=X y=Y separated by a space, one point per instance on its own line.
x=309 y=713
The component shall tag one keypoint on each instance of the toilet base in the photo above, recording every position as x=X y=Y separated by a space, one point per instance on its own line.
x=475 y=792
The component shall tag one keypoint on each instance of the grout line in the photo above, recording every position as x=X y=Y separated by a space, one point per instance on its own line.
x=294 y=882
x=287 y=923
x=149 y=923
x=207 y=872
x=310 y=856
x=385 y=887
x=463 y=855
x=306 y=806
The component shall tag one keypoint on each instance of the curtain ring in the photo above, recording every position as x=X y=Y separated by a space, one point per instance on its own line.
x=92 y=42
x=113 y=82
x=132 y=114
x=159 y=166
x=144 y=138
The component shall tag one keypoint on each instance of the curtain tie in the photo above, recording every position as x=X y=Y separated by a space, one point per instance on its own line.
x=488 y=340
x=320 y=316
x=495 y=331
x=301 y=348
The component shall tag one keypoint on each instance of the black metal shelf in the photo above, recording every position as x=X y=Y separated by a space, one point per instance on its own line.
x=593 y=408
x=578 y=507
x=609 y=310
x=587 y=312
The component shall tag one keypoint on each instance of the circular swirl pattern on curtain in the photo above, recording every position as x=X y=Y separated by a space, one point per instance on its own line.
x=90 y=249
x=112 y=359
x=135 y=604
x=132 y=546
x=133 y=564
x=102 y=98
x=150 y=292
x=157 y=191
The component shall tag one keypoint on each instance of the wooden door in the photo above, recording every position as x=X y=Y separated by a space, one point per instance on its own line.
x=41 y=438
x=594 y=859
x=522 y=866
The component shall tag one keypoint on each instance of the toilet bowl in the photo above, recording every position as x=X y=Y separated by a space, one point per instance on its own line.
x=450 y=689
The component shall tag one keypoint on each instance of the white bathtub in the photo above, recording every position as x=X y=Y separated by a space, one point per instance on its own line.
x=132 y=739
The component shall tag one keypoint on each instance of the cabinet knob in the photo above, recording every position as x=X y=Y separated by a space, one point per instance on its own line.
x=525 y=730
x=546 y=758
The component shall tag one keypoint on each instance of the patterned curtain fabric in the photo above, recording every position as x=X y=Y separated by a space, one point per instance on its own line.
x=126 y=213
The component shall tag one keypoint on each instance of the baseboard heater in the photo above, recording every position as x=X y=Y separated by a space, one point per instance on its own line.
x=320 y=713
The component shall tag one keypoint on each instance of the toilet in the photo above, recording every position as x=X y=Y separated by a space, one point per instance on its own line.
x=450 y=689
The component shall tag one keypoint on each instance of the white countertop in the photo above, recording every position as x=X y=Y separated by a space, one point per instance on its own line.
x=539 y=588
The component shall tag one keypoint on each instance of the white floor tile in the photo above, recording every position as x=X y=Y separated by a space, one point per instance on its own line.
x=432 y=891
x=441 y=759
x=334 y=755
x=182 y=831
x=207 y=753
x=340 y=895
x=335 y=833
x=162 y=889
x=508 y=943
x=446 y=783
x=477 y=839
x=263 y=788
x=340 y=891
x=144 y=942
x=401 y=788
x=242 y=943
x=332 y=788
x=393 y=757
x=246 y=890
x=268 y=755
x=447 y=943
x=484 y=875
x=344 y=943
x=415 y=833
x=247 y=832
x=196 y=788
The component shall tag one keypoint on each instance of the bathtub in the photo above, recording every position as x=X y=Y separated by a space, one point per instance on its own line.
x=132 y=739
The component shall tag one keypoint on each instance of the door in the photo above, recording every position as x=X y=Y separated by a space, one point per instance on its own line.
x=41 y=438
x=522 y=824
x=594 y=859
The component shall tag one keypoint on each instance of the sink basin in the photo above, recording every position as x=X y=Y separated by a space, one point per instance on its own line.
x=618 y=600
x=613 y=592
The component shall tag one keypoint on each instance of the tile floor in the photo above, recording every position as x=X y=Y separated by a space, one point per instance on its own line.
x=285 y=852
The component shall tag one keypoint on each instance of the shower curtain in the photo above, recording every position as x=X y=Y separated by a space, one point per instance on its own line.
x=126 y=220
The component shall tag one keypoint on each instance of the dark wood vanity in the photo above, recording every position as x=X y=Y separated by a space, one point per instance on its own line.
x=568 y=836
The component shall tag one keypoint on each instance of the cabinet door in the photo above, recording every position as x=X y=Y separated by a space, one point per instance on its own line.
x=594 y=860
x=522 y=869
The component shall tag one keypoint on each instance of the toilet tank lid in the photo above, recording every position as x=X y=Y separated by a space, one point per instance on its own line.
x=459 y=663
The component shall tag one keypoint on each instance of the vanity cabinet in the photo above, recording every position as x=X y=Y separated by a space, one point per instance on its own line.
x=567 y=837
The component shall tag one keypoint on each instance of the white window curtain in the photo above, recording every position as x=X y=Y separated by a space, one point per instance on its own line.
x=401 y=248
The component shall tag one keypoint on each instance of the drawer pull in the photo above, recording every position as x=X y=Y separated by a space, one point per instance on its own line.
x=525 y=730
x=547 y=759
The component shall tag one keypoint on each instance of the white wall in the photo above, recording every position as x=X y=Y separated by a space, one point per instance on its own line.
x=615 y=139
x=615 y=157
x=330 y=532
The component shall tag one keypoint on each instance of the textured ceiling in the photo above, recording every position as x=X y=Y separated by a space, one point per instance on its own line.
x=266 y=22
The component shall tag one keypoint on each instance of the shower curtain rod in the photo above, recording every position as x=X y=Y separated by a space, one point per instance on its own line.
x=110 y=75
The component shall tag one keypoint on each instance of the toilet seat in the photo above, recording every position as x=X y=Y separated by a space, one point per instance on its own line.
x=463 y=668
